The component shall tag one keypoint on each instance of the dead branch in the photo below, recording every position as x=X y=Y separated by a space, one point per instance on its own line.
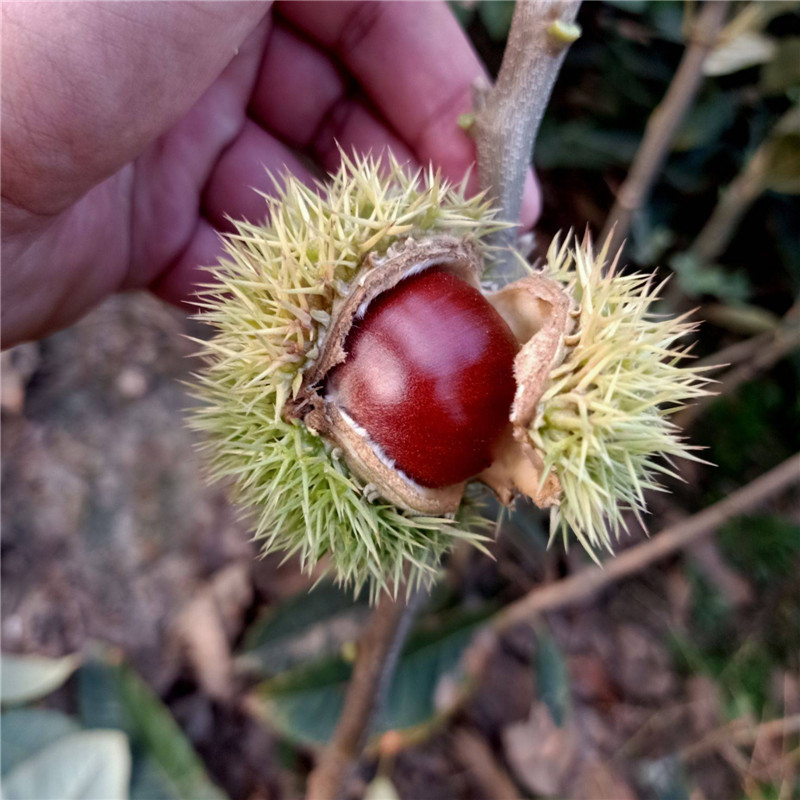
x=741 y=731
x=376 y=658
x=590 y=581
x=474 y=753
x=664 y=122
x=507 y=117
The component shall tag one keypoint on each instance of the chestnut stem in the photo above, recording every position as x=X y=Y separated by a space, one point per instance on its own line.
x=664 y=122
x=378 y=651
x=507 y=117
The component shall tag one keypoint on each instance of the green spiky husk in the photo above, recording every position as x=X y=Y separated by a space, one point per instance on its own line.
x=603 y=420
x=270 y=303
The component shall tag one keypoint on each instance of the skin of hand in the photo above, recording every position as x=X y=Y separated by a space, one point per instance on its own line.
x=132 y=130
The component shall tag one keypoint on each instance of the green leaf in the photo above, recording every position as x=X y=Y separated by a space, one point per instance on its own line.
x=87 y=765
x=583 y=145
x=25 y=731
x=697 y=279
x=112 y=694
x=463 y=12
x=308 y=625
x=496 y=17
x=765 y=548
x=26 y=678
x=552 y=678
x=304 y=703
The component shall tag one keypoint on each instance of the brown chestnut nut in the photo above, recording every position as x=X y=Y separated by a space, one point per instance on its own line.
x=429 y=375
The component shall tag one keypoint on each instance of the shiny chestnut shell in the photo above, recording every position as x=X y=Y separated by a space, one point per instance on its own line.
x=429 y=375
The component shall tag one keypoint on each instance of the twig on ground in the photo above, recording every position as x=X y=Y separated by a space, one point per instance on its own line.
x=590 y=581
x=474 y=753
x=664 y=122
x=508 y=116
x=376 y=658
x=741 y=731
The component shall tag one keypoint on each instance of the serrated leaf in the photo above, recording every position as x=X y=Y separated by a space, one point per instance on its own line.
x=304 y=703
x=552 y=678
x=25 y=678
x=87 y=765
x=113 y=694
x=26 y=731
x=308 y=625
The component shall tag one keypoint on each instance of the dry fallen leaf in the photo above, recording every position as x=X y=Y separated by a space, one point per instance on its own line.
x=540 y=753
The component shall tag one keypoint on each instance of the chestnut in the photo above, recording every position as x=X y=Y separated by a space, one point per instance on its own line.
x=429 y=375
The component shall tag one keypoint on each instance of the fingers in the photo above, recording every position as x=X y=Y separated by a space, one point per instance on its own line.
x=243 y=171
x=171 y=176
x=179 y=283
x=414 y=63
x=304 y=98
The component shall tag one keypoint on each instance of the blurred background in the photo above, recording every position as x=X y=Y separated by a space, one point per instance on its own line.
x=221 y=673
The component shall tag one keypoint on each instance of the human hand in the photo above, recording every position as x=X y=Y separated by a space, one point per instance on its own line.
x=131 y=130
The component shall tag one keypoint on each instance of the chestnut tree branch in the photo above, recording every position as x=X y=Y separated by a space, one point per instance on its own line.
x=376 y=658
x=507 y=116
x=588 y=582
x=745 y=189
x=664 y=122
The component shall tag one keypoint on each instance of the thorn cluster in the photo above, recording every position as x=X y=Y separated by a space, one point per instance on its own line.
x=270 y=302
x=603 y=421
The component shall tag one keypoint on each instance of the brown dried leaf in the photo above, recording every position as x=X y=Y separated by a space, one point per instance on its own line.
x=540 y=753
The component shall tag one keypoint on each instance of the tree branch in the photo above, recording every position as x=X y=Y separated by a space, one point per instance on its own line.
x=664 y=122
x=590 y=581
x=736 y=200
x=508 y=116
x=376 y=659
